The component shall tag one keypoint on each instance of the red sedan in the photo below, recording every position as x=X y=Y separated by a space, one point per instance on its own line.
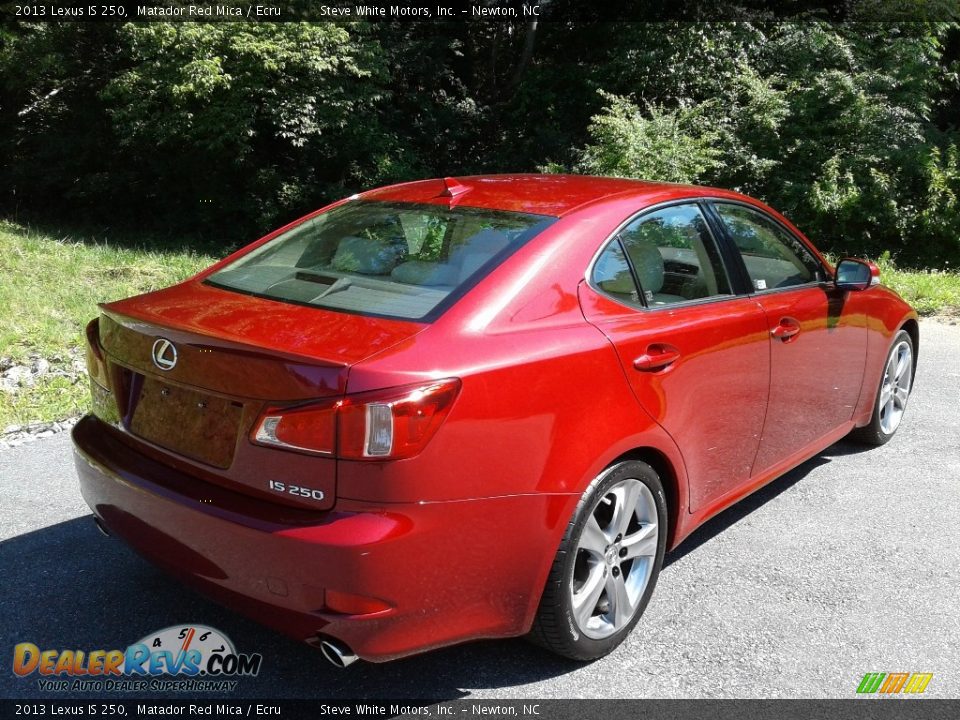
x=478 y=407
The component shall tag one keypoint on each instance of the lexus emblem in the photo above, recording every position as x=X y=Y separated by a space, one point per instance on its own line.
x=164 y=354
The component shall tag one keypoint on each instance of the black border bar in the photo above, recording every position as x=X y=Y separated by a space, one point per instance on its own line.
x=576 y=11
x=873 y=708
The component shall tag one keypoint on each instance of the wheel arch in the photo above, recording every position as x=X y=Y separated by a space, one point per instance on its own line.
x=670 y=480
x=912 y=328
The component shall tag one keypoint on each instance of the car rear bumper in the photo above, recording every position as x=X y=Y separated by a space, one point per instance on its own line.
x=442 y=572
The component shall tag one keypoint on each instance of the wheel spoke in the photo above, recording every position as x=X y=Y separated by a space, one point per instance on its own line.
x=593 y=539
x=621 y=609
x=891 y=370
x=585 y=599
x=900 y=397
x=642 y=543
x=885 y=392
x=902 y=362
x=625 y=508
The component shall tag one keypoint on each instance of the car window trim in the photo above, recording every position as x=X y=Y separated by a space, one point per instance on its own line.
x=729 y=251
x=633 y=270
x=819 y=284
x=712 y=202
x=615 y=235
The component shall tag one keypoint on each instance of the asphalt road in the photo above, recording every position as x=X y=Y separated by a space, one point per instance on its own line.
x=849 y=564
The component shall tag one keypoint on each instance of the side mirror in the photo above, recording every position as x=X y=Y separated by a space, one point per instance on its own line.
x=853 y=274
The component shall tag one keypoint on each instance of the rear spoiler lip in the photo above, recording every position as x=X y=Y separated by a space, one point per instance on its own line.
x=189 y=334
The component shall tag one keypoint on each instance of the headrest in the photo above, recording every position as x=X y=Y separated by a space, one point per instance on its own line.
x=419 y=272
x=477 y=250
x=488 y=240
x=369 y=257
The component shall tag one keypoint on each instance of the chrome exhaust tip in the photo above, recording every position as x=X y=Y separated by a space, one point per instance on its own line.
x=337 y=653
x=101 y=527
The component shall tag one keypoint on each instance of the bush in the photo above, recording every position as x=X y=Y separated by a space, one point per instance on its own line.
x=228 y=126
x=827 y=124
x=673 y=146
x=231 y=128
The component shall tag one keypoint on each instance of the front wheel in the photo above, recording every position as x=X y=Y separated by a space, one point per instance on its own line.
x=607 y=564
x=892 y=395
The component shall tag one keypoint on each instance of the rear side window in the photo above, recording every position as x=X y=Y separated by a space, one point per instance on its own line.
x=774 y=258
x=390 y=259
x=664 y=257
x=612 y=274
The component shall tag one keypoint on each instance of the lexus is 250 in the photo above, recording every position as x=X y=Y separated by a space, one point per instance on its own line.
x=478 y=407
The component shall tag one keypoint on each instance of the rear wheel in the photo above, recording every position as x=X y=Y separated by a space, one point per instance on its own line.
x=892 y=395
x=607 y=564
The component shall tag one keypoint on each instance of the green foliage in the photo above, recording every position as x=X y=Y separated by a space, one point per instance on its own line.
x=51 y=285
x=830 y=124
x=931 y=292
x=674 y=146
x=228 y=129
x=856 y=133
x=430 y=243
x=938 y=219
x=219 y=124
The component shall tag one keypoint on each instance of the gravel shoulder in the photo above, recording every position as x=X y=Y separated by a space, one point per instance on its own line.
x=846 y=565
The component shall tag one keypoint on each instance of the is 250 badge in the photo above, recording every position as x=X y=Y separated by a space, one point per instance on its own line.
x=295 y=490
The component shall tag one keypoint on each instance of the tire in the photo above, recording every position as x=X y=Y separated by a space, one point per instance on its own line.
x=890 y=404
x=604 y=574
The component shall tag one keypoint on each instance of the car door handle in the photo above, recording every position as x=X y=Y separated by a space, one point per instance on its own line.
x=787 y=329
x=657 y=357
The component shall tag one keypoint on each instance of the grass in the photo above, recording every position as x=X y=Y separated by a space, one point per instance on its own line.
x=931 y=292
x=49 y=289
x=50 y=284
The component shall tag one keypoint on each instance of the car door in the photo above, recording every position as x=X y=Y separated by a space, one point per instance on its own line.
x=695 y=354
x=818 y=338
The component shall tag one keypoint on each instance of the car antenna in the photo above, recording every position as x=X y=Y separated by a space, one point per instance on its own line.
x=452 y=188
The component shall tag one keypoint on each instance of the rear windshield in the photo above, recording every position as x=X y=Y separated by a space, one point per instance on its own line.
x=395 y=260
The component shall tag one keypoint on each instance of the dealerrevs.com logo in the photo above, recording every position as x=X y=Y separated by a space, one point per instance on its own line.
x=180 y=658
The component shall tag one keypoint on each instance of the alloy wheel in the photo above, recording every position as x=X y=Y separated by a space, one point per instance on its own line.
x=895 y=390
x=614 y=559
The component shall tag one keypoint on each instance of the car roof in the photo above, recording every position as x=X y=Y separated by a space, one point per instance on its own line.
x=555 y=195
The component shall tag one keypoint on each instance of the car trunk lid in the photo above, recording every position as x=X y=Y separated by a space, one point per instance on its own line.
x=192 y=367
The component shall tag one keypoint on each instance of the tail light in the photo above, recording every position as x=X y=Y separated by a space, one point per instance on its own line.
x=93 y=338
x=96 y=367
x=386 y=424
x=311 y=429
x=102 y=401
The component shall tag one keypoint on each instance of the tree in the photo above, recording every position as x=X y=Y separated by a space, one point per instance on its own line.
x=232 y=128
